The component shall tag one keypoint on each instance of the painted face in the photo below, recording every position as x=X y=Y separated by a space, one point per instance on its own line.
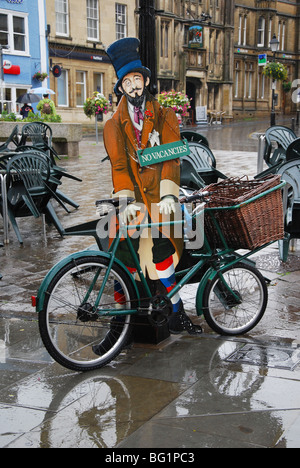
x=133 y=84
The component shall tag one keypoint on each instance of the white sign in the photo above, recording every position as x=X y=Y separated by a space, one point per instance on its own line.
x=7 y=64
x=201 y=113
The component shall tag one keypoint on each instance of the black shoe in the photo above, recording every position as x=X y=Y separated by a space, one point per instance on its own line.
x=179 y=322
x=116 y=327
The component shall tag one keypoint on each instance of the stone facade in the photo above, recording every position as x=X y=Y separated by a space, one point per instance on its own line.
x=256 y=22
x=77 y=41
x=218 y=70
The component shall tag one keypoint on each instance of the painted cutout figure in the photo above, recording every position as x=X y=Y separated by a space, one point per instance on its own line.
x=141 y=122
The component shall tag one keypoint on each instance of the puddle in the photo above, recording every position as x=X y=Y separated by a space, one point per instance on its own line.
x=266 y=356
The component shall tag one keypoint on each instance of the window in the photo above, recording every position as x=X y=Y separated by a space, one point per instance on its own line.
x=10 y=95
x=283 y=37
x=242 y=40
x=80 y=88
x=240 y=30
x=164 y=40
x=62 y=89
x=236 y=79
x=279 y=32
x=260 y=85
x=62 y=17
x=98 y=82
x=245 y=31
x=14 y=32
x=270 y=31
x=261 y=32
x=248 y=80
x=121 y=22
x=92 y=19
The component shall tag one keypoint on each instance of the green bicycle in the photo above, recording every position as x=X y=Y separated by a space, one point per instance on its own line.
x=77 y=309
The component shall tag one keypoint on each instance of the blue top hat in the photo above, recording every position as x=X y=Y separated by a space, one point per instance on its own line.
x=124 y=55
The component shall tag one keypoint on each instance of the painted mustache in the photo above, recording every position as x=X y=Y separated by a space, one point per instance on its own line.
x=135 y=90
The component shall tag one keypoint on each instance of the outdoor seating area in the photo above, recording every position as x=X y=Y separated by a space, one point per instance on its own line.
x=282 y=156
x=199 y=168
x=30 y=178
x=215 y=117
x=277 y=141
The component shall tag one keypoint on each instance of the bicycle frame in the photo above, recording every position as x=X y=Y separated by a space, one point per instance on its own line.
x=218 y=260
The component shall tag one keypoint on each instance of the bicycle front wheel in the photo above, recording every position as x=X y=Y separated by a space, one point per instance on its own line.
x=76 y=331
x=235 y=303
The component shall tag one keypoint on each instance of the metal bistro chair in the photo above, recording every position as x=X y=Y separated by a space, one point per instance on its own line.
x=57 y=171
x=280 y=136
x=40 y=136
x=290 y=173
x=204 y=163
x=4 y=158
x=293 y=150
x=189 y=177
x=29 y=190
x=13 y=138
x=191 y=136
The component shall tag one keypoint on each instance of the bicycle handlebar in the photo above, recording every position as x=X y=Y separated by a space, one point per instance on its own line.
x=202 y=197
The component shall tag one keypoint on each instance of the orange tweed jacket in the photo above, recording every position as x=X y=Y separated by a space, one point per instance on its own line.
x=148 y=184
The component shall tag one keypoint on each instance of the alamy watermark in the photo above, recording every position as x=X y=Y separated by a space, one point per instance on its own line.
x=185 y=223
x=296 y=92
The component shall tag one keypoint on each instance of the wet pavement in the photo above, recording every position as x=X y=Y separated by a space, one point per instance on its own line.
x=186 y=392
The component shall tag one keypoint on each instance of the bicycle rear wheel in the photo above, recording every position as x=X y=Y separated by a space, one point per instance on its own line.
x=72 y=328
x=237 y=313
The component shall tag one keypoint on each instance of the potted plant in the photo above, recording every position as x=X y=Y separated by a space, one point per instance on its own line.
x=178 y=101
x=96 y=105
x=39 y=76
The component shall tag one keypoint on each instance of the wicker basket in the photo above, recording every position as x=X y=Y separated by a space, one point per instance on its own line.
x=252 y=225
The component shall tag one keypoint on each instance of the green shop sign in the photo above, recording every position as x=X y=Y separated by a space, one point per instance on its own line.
x=162 y=153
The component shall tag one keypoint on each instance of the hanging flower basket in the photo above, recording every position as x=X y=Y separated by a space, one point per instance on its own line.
x=276 y=71
x=178 y=101
x=40 y=76
x=287 y=86
x=95 y=105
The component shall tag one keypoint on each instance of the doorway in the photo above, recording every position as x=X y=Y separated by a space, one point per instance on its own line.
x=191 y=93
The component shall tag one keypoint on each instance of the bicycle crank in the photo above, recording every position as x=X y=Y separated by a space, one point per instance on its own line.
x=160 y=308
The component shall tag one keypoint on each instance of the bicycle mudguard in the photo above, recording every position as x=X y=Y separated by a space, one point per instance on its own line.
x=84 y=253
x=208 y=276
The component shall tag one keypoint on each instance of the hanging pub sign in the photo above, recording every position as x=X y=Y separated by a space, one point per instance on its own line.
x=196 y=37
x=56 y=70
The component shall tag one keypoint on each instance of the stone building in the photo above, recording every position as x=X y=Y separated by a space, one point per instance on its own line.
x=222 y=71
x=79 y=32
x=195 y=41
x=256 y=22
x=208 y=48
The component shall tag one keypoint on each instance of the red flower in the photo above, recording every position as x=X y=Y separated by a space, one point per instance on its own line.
x=148 y=113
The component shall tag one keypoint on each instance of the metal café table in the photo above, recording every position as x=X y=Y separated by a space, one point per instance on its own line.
x=4 y=206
